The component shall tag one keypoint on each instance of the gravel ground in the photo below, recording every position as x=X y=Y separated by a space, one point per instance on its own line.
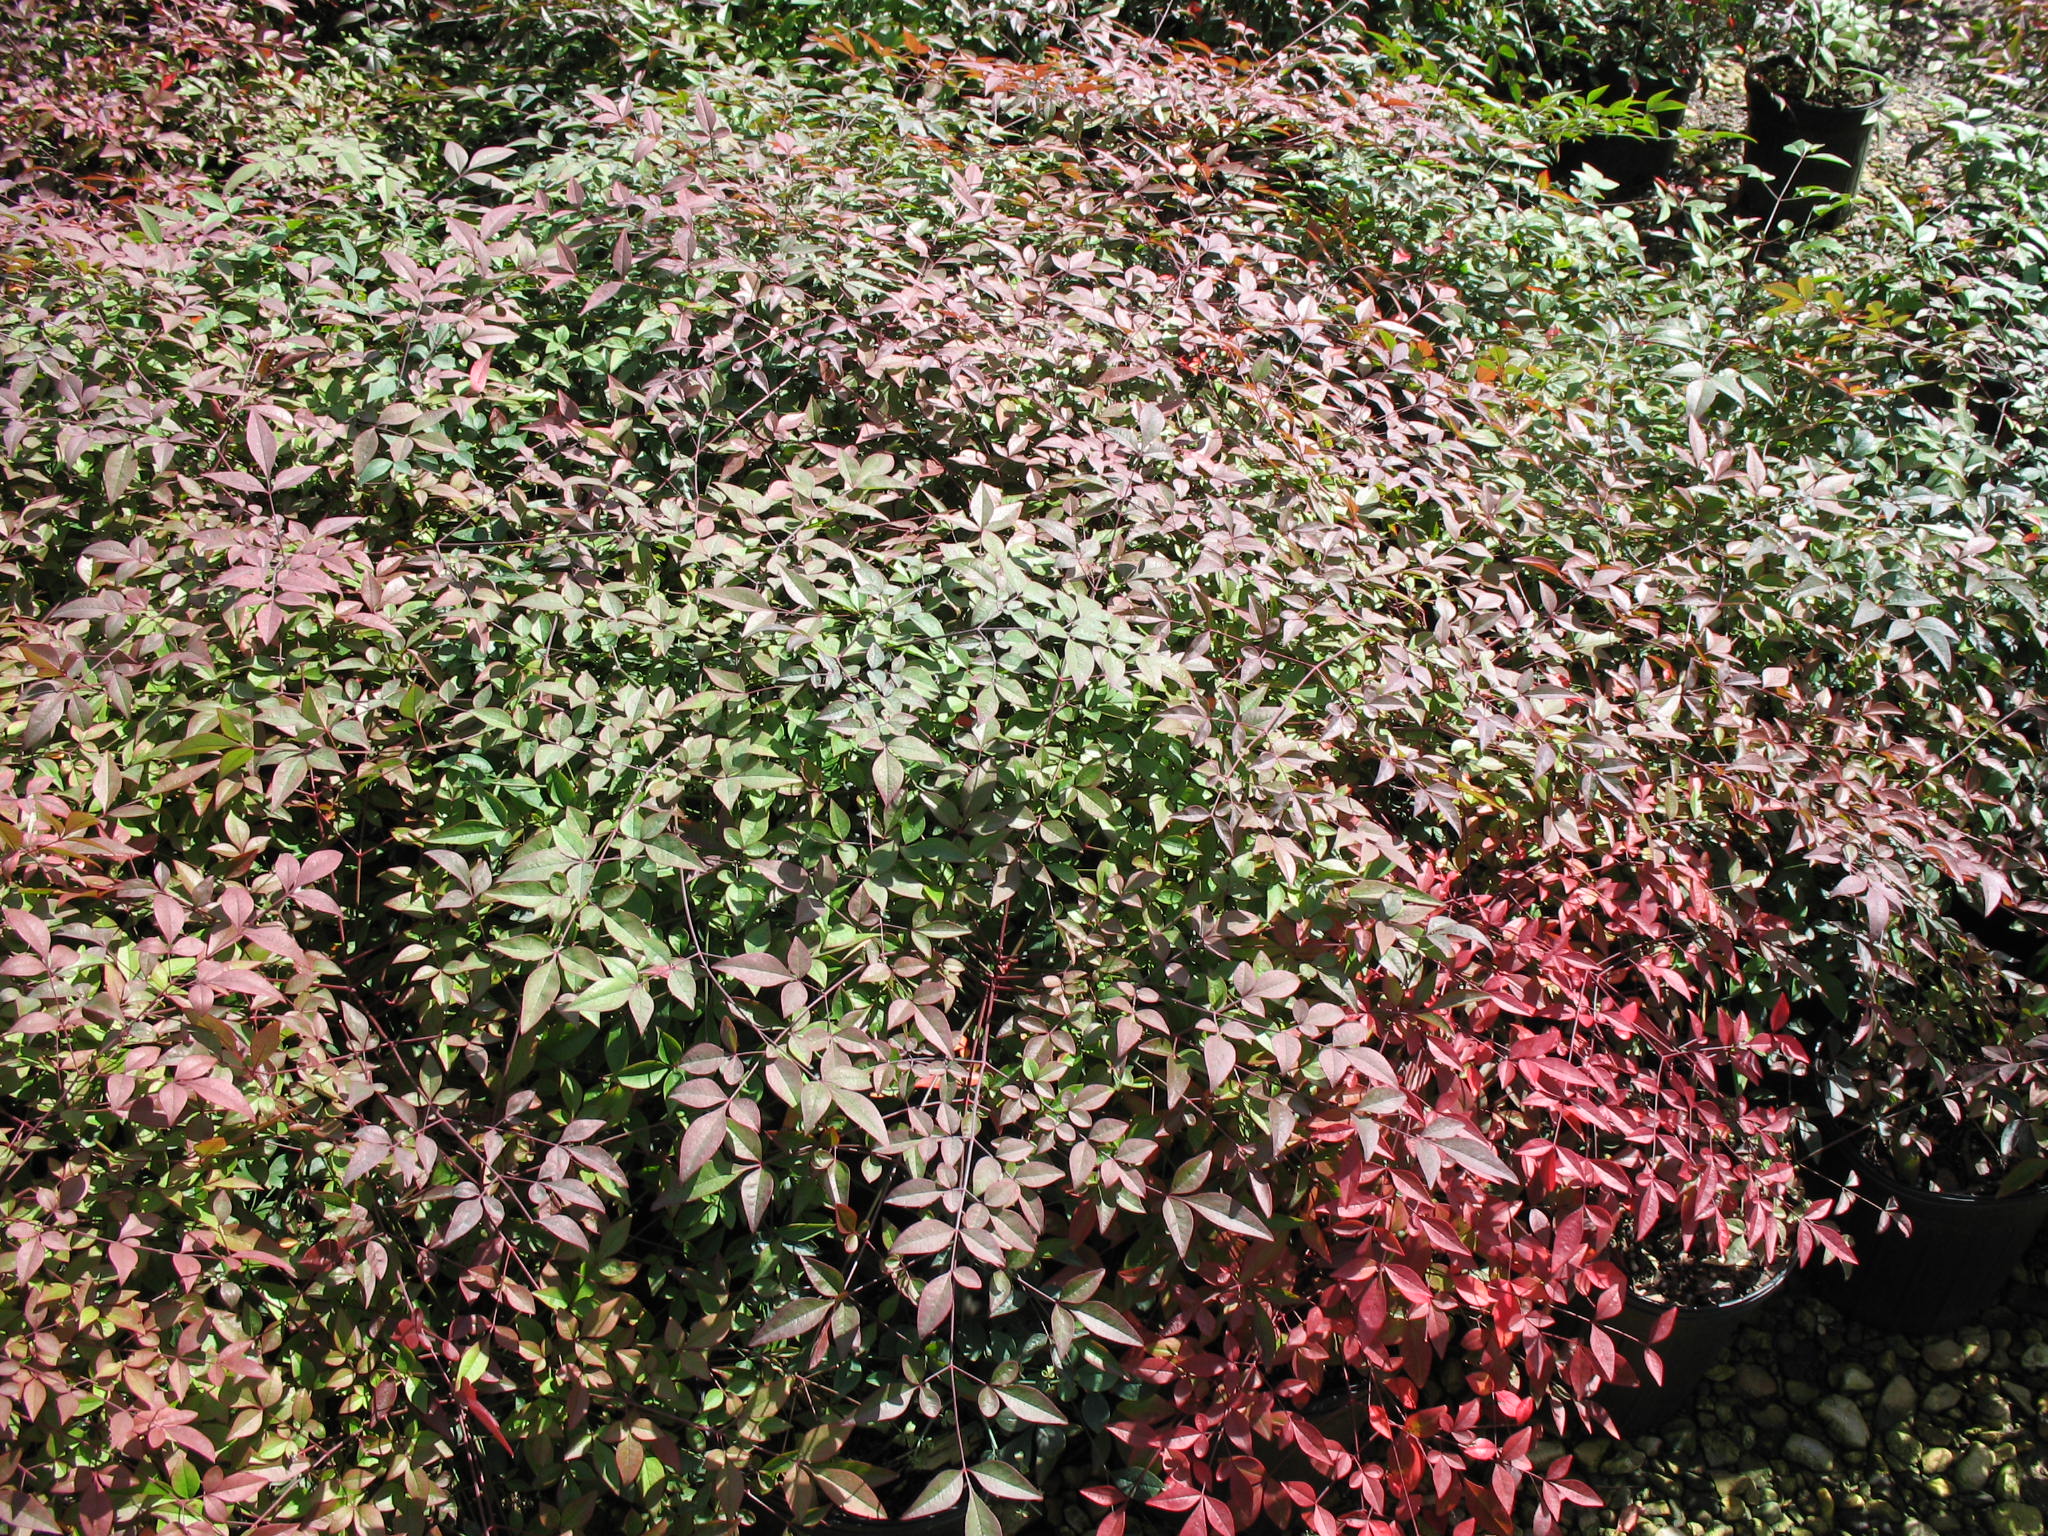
x=1815 y=1424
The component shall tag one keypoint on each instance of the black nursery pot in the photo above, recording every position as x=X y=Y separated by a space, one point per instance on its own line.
x=1778 y=120
x=1943 y=1274
x=1699 y=1337
x=1633 y=164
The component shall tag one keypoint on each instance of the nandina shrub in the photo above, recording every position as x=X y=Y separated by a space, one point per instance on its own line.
x=1485 y=1147
x=704 y=936
x=94 y=93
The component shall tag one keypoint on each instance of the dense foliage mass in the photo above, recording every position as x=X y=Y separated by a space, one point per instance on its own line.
x=944 y=773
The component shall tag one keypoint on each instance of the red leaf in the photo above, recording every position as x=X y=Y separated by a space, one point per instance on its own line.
x=466 y=1395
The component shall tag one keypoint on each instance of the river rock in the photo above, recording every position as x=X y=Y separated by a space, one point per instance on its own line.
x=1941 y=1397
x=1843 y=1421
x=1856 y=1379
x=1898 y=1400
x=1945 y=1355
x=2016 y=1520
x=1973 y=1469
x=1754 y=1382
x=1807 y=1452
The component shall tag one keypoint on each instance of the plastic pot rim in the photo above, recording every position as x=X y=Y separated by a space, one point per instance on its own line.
x=1869 y=1172
x=1775 y=1277
x=1751 y=80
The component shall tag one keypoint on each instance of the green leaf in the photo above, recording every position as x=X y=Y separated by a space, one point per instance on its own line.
x=888 y=775
x=942 y=1492
x=1229 y=1215
x=1105 y=1322
x=608 y=994
x=464 y=834
x=981 y=1520
x=1030 y=1405
x=860 y=1109
x=543 y=986
x=1004 y=1481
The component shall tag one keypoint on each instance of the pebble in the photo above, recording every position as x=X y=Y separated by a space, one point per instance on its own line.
x=1843 y=1421
x=1810 y=1453
x=2016 y=1520
x=1754 y=1382
x=2035 y=1358
x=1733 y=1485
x=1945 y=1355
x=1941 y=1397
x=1856 y=1379
x=1936 y=1459
x=1898 y=1400
x=1973 y=1469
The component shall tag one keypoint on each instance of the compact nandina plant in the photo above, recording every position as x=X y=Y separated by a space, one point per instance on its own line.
x=1828 y=52
x=1637 y=48
x=103 y=91
x=1943 y=1079
x=1486 y=1145
x=783 y=793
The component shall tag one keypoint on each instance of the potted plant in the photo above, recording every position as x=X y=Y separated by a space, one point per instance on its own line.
x=1935 y=1138
x=1639 y=67
x=1685 y=1308
x=1715 y=1215
x=1816 y=95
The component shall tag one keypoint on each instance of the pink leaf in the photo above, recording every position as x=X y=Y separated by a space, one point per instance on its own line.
x=934 y=1305
x=927 y=1236
x=794 y=1318
x=566 y=1230
x=262 y=443
x=704 y=1137
x=755 y=969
